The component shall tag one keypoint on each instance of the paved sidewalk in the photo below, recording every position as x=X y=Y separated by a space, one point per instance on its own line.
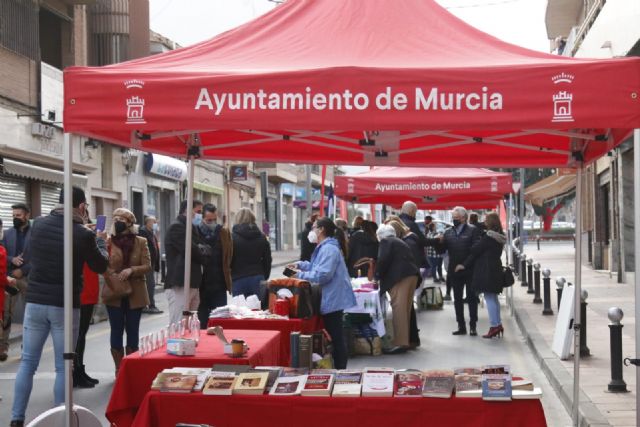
x=598 y=407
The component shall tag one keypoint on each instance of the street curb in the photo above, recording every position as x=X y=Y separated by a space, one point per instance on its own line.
x=559 y=377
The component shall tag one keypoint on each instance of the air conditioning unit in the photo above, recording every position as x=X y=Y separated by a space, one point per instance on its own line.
x=42 y=130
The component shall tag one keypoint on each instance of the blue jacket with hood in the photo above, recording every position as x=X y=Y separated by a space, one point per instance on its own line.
x=327 y=269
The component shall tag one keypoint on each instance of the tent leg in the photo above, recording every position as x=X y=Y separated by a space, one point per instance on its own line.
x=578 y=292
x=188 y=238
x=636 y=233
x=509 y=250
x=68 y=281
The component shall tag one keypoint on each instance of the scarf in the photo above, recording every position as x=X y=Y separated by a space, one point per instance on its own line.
x=125 y=242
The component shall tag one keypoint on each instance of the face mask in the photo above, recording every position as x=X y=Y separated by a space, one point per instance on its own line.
x=456 y=222
x=197 y=219
x=17 y=222
x=154 y=227
x=120 y=227
x=211 y=226
x=312 y=236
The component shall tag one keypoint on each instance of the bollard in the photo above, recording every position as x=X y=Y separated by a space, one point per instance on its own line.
x=538 y=241
x=560 y=281
x=617 y=384
x=529 y=276
x=516 y=262
x=584 y=350
x=536 y=284
x=523 y=270
x=546 y=284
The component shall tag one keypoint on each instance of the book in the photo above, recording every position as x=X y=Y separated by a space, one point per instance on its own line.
x=522 y=384
x=288 y=386
x=294 y=342
x=318 y=385
x=378 y=382
x=496 y=387
x=323 y=371
x=273 y=371
x=220 y=383
x=251 y=383
x=408 y=383
x=305 y=352
x=438 y=383
x=467 y=371
x=201 y=374
x=347 y=384
x=318 y=343
x=496 y=369
x=178 y=383
x=536 y=393
x=227 y=367
x=288 y=371
x=467 y=385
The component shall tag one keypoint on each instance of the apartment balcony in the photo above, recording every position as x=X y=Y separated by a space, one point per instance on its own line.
x=561 y=16
x=278 y=172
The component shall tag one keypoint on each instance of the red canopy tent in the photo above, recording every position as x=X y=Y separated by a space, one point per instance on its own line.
x=429 y=188
x=368 y=82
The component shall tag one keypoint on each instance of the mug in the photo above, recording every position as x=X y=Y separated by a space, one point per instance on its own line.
x=237 y=347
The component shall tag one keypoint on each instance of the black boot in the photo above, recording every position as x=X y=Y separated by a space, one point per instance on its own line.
x=79 y=381
x=84 y=374
x=462 y=330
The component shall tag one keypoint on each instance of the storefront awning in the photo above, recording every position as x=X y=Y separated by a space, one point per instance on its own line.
x=207 y=188
x=550 y=188
x=40 y=173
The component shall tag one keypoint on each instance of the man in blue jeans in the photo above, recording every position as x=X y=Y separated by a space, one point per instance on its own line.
x=44 y=312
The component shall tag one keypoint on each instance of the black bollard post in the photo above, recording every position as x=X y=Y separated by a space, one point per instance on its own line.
x=546 y=285
x=584 y=350
x=560 y=281
x=530 y=276
x=523 y=270
x=536 y=284
x=538 y=241
x=617 y=384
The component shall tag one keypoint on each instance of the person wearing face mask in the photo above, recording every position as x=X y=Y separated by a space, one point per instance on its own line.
x=14 y=241
x=251 y=262
x=174 y=247
x=148 y=231
x=458 y=241
x=44 y=311
x=306 y=246
x=328 y=270
x=128 y=257
x=216 y=271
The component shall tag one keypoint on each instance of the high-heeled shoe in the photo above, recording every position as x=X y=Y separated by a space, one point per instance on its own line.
x=494 y=331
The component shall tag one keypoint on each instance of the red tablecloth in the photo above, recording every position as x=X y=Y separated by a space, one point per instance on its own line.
x=164 y=409
x=285 y=327
x=137 y=373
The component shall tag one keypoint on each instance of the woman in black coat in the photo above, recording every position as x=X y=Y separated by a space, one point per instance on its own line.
x=485 y=260
x=398 y=275
x=362 y=244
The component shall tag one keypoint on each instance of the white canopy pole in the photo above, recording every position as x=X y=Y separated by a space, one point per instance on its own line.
x=68 y=282
x=636 y=271
x=188 y=237
x=576 y=309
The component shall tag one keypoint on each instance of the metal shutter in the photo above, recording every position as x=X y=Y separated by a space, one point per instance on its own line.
x=49 y=197
x=12 y=191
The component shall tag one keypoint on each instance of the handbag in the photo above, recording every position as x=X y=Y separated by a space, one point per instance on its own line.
x=114 y=287
x=507 y=277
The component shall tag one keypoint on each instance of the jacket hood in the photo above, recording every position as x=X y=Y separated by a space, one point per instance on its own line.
x=248 y=231
x=498 y=237
x=331 y=241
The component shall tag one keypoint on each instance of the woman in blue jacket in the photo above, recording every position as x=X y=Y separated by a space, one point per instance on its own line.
x=327 y=269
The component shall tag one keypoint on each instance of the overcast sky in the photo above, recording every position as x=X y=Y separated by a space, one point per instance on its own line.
x=186 y=22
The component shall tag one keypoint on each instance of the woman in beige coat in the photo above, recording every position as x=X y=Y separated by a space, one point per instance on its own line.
x=129 y=258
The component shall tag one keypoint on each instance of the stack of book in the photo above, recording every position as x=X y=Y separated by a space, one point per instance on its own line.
x=303 y=347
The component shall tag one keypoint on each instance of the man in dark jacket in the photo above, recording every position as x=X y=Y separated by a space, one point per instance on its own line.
x=306 y=247
x=14 y=241
x=148 y=231
x=174 y=246
x=408 y=216
x=458 y=240
x=44 y=312
x=216 y=271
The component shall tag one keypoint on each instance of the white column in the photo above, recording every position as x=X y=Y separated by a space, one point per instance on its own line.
x=578 y=291
x=68 y=280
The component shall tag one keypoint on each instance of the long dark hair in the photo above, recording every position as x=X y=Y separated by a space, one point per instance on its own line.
x=492 y=222
x=327 y=225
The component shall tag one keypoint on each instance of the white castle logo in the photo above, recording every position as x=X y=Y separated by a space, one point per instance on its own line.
x=562 y=107
x=130 y=84
x=562 y=78
x=135 y=110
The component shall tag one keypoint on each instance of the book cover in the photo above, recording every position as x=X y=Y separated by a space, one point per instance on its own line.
x=521 y=384
x=201 y=373
x=378 y=382
x=467 y=371
x=536 y=393
x=438 y=383
x=318 y=346
x=158 y=380
x=305 y=352
x=408 y=384
x=468 y=385
x=227 y=367
x=294 y=340
x=347 y=384
x=273 y=371
x=496 y=387
x=251 y=383
x=288 y=386
x=220 y=383
x=496 y=369
x=318 y=385
x=288 y=371
x=178 y=383
x=323 y=371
